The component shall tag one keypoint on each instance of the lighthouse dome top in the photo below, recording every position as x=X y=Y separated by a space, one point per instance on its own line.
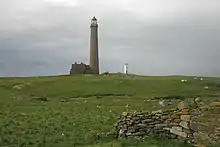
x=94 y=22
x=94 y=18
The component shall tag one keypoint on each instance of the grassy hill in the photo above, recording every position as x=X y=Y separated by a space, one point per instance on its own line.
x=81 y=110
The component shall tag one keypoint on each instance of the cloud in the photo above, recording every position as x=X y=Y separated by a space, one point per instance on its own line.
x=155 y=37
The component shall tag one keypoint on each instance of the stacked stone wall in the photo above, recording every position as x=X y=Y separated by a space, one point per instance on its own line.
x=180 y=123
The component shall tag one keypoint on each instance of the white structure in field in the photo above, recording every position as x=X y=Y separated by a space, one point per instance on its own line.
x=126 y=68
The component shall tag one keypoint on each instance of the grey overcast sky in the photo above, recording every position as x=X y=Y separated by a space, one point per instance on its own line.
x=155 y=37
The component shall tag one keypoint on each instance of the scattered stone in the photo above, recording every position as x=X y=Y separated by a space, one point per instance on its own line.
x=168 y=129
x=174 y=109
x=139 y=134
x=147 y=120
x=217 y=132
x=205 y=108
x=176 y=120
x=187 y=131
x=164 y=117
x=182 y=105
x=185 y=117
x=177 y=128
x=185 y=111
x=125 y=113
x=158 y=111
x=206 y=87
x=177 y=132
x=141 y=125
x=184 y=124
x=197 y=99
x=18 y=87
x=169 y=103
x=215 y=104
x=160 y=125
x=174 y=124
x=162 y=103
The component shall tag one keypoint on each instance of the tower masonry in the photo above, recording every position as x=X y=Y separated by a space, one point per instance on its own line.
x=94 y=53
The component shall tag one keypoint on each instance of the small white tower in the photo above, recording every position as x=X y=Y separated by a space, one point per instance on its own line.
x=126 y=69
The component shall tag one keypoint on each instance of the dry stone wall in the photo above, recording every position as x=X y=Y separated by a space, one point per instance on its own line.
x=180 y=123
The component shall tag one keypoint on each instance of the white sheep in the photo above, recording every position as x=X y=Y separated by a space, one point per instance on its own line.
x=183 y=81
x=206 y=87
x=197 y=99
x=162 y=103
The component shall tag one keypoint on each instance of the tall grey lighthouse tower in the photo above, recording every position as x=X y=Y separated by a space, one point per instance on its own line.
x=94 y=52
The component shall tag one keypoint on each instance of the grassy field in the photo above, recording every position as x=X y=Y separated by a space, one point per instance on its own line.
x=67 y=111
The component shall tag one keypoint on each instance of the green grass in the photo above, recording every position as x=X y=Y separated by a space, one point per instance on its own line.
x=75 y=116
